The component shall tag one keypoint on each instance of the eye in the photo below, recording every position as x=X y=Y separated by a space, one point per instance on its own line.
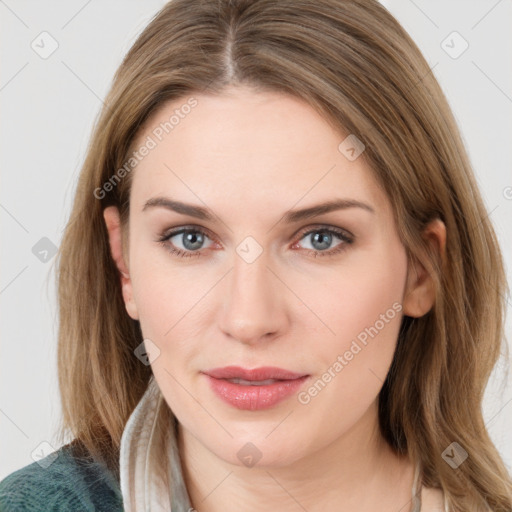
x=323 y=238
x=191 y=239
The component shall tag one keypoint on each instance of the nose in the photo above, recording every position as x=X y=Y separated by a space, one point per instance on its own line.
x=254 y=308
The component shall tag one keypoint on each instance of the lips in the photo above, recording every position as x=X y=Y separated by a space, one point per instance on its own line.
x=256 y=374
x=256 y=389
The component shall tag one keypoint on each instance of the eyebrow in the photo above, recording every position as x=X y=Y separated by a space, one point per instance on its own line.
x=289 y=217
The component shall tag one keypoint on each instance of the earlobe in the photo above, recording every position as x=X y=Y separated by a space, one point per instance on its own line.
x=113 y=223
x=419 y=296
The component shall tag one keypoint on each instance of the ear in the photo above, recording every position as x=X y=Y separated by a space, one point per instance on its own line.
x=113 y=222
x=419 y=294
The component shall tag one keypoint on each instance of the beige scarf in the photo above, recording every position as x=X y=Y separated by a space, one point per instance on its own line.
x=151 y=478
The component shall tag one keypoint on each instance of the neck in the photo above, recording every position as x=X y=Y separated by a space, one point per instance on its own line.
x=355 y=472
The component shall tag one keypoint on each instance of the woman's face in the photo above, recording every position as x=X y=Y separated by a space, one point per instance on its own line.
x=258 y=284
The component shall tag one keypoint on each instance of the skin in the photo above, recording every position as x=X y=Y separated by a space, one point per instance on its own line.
x=250 y=157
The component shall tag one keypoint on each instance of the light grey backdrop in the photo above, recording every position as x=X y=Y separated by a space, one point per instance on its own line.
x=57 y=62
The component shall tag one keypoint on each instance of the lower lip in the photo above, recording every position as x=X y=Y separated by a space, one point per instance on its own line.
x=255 y=398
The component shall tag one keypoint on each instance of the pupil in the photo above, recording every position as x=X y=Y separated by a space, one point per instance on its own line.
x=325 y=236
x=192 y=241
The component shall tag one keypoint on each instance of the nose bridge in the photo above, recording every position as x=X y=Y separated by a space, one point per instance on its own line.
x=253 y=306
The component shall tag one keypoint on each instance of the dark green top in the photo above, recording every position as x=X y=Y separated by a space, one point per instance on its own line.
x=61 y=481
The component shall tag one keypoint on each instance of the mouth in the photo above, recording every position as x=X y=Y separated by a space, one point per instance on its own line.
x=256 y=374
x=256 y=389
x=252 y=382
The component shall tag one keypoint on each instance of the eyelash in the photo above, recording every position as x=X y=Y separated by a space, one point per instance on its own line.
x=341 y=234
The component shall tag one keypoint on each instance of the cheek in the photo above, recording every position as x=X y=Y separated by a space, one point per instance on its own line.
x=170 y=302
x=363 y=308
x=357 y=293
x=362 y=305
x=154 y=296
x=157 y=291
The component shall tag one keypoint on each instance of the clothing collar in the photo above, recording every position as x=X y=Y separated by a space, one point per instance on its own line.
x=148 y=481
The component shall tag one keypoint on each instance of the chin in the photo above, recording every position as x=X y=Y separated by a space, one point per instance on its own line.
x=256 y=451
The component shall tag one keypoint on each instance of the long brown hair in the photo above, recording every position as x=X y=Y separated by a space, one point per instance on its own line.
x=354 y=63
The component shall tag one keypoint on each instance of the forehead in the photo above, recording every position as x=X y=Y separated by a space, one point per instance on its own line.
x=247 y=146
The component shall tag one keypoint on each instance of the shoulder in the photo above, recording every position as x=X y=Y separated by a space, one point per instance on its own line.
x=61 y=482
x=432 y=500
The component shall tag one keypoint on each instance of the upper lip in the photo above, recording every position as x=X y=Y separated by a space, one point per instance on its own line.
x=255 y=374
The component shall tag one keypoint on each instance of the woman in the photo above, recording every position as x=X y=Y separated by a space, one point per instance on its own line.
x=279 y=286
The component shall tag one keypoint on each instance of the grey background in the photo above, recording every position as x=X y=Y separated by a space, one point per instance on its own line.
x=48 y=107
